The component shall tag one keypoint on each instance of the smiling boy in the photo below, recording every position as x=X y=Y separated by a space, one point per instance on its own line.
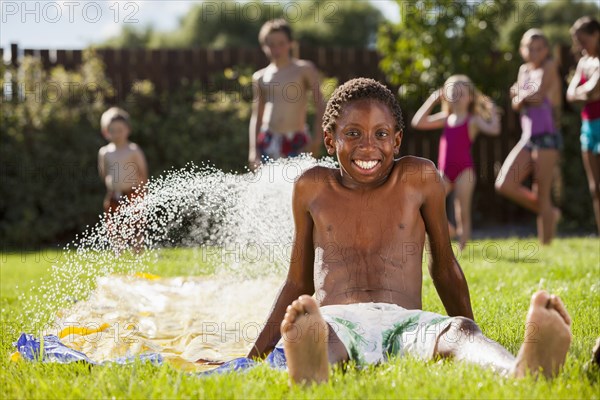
x=358 y=246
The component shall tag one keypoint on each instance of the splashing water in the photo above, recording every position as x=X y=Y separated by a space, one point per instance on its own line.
x=239 y=226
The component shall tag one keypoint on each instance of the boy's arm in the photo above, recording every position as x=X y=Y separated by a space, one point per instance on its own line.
x=101 y=166
x=315 y=86
x=423 y=119
x=258 y=107
x=141 y=167
x=444 y=269
x=299 y=280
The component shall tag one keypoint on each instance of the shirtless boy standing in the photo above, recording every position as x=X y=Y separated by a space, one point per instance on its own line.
x=121 y=164
x=358 y=246
x=278 y=123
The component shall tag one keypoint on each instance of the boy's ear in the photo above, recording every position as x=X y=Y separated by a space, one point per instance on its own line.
x=398 y=141
x=329 y=141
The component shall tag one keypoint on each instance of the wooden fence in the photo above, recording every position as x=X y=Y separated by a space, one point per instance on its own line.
x=169 y=69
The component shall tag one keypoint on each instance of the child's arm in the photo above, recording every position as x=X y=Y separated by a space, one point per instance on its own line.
x=424 y=120
x=141 y=167
x=517 y=89
x=588 y=91
x=258 y=107
x=549 y=79
x=315 y=87
x=299 y=280
x=573 y=94
x=444 y=269
x=490 y=127
x=101 y=166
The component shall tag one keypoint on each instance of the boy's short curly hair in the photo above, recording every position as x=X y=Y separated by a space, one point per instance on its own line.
x=359 y=89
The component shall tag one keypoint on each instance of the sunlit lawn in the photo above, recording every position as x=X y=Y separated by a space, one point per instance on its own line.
x=502 y=275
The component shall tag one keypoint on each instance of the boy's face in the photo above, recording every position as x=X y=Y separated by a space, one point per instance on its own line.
x=365 y=141
x=277 y=46
x=118 y=131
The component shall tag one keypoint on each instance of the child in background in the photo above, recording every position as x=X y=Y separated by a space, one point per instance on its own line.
x=121 y=163
x=465 y=113
x=537 y=152
x=585 y=87
x=281 y=92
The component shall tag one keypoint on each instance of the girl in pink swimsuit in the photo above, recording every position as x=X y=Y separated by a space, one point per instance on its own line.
x=538 y=151
x=465 y=113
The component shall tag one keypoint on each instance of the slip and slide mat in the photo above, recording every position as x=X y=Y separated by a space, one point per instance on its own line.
x=197 y=324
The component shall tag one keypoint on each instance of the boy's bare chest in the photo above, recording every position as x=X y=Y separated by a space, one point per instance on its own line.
x=286 y=82
x=120 y=157
x=367 y=222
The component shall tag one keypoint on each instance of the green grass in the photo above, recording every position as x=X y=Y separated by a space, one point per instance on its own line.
x=502 y=275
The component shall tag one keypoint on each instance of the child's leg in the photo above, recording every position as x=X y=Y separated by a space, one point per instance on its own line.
x=591 y=162
x=545 y=161
x=448 y=187
x=547 y=339
x=310 y=345
x=516 y=168
x=463 y=191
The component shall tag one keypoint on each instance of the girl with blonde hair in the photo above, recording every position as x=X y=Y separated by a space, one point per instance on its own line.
x=465 y=113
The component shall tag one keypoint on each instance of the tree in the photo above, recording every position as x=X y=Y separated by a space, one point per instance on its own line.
x=554 y=18
x=436 y=39
x=230 y=23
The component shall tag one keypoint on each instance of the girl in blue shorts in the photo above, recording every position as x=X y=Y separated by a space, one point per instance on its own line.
x=584 y=87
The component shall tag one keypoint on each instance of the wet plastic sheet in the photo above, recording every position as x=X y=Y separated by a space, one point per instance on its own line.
x=193 y=324
x=30 y=348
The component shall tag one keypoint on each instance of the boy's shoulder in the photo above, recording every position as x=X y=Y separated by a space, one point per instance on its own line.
x=257 y=75
x=417 y=170
x=316 y=177
x=107 y=148
x=134 y=147
x=305 y=64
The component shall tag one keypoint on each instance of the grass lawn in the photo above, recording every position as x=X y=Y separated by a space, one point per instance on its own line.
x=502 y=275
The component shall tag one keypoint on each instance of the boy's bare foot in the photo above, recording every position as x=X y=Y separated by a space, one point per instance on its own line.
x=547 y=337
x=592 y=367
x=305 y=335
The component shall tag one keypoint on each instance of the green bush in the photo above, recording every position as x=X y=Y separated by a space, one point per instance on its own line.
x=51 y=136
x=49 y=143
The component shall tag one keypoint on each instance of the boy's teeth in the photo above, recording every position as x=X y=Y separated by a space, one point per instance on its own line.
x=366 y=164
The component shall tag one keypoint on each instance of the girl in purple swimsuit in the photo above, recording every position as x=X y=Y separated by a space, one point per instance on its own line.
x=465 y=113
x=537 y=152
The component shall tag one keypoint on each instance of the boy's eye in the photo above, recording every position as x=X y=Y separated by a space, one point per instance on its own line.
x=352 y=133
x=382 y=133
